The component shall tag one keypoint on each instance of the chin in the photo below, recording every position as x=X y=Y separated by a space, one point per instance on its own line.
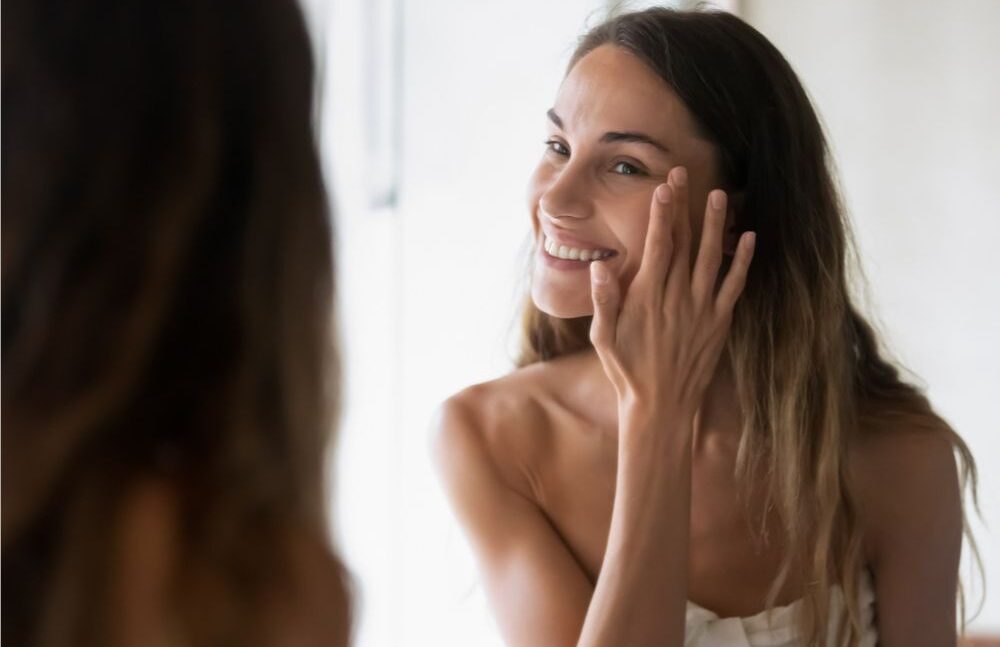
x=560 y=304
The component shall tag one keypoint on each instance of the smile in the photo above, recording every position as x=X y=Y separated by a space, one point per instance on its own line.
x=568 y=253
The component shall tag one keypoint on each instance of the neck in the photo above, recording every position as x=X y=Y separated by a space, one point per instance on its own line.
x=718 y=421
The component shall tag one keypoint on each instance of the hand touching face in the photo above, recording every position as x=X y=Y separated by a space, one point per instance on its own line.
x=615 y=132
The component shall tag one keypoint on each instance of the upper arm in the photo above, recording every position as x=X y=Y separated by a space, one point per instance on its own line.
x=538 y=591
x=911 y=510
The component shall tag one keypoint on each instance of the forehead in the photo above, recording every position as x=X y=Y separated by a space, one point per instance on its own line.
x=612 y=89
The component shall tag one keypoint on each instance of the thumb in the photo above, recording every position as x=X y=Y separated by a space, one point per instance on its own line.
x=604 y=292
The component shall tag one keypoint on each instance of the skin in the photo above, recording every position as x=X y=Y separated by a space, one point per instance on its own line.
x=600 y=191
x=597 y=489
x=310 y=609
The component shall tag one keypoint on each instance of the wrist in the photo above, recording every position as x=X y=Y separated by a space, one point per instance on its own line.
x=658 y=425
x=640 y=413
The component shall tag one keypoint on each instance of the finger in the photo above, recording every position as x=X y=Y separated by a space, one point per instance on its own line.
x=605 y=293
x=679 y=272
x=657 y=250
x=706 y=267
x=736 y=278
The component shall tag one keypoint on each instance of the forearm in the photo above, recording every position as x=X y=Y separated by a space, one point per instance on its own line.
x=641 y=592
x=661 y=343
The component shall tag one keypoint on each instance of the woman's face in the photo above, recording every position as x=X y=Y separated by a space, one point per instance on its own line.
x=615 y=132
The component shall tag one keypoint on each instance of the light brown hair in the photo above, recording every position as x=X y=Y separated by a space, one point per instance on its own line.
x=808 y=367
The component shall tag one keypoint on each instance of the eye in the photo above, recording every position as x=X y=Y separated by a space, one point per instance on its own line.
x=557 y=147
x=624 y=168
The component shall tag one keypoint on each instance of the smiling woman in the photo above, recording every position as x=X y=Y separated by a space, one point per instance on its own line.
x=627 y=129
x=703 y=444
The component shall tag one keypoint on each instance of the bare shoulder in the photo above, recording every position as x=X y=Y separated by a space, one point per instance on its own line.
x=910 y=510
x=146 y=542
x=502 y=422
x=907 y=485
x=309 y=603
x=311 y=606
x=487 y=443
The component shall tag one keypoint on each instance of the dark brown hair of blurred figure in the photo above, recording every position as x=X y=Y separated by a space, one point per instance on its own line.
x=170 y=375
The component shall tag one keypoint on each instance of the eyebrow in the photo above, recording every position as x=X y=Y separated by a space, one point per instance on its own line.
x=615 y=136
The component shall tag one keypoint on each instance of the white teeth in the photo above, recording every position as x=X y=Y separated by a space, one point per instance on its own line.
x=572 y=253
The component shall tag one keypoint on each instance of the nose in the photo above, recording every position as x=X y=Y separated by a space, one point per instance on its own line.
x=567 y=194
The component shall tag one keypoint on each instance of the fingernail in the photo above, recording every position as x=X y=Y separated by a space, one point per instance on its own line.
x=598 y=272
x=718 y=199
x=680 y=176
x=663 y=193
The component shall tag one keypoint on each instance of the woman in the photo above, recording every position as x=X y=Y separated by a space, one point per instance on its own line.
x=168 y=377
x=702 y=444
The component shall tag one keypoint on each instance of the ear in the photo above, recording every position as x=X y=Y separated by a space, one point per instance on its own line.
x=731 y=234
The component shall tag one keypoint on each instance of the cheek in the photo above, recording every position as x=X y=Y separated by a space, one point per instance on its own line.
x=629 y=222
x=538 y=183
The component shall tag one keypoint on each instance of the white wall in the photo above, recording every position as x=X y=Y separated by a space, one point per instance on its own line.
x=910 y=95
x=430 y=287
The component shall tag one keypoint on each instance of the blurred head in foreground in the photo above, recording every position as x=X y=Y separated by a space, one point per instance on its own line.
x=169 y=371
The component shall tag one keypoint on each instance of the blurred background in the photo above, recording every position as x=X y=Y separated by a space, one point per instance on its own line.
x=433 y=119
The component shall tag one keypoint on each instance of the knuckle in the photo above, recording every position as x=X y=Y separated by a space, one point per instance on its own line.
x=702 y=304
x=660 y=248
x=602 y=297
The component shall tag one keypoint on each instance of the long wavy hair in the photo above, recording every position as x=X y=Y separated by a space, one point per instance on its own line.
x=167 y=309
x=808 y=367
